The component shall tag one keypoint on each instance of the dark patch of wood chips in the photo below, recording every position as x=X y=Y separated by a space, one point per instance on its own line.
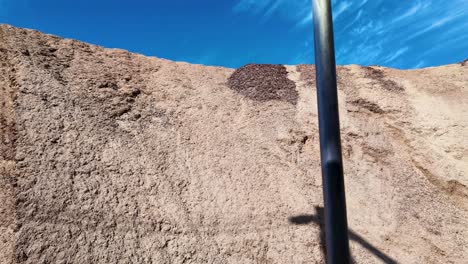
x=379 y=76
x=264 y=82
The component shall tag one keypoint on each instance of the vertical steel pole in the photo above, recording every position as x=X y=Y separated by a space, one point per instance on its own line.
x=336 y=226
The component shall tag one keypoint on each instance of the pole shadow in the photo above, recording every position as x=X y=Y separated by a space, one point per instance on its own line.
x=318 y=219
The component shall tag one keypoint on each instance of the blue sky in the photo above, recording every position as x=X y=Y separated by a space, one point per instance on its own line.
x=394 y=33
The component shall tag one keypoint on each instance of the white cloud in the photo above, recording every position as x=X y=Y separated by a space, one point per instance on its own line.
x=354 y=20
x=378 y=31
x=297 y=11
x=270 y=10
x=433 y=25
x=395 y=55
x=416 y=8
x=340 y=9
x=419 y=65
x=306 y=20
x=363 y=2
x=446 y=41
x=385 y=36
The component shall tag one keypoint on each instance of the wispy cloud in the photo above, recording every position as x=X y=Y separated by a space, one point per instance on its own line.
x=341 y=8
x=272 y=9
x=376 y=32
x=419 y=65
x=356 y=18
x=386 y=33
x=395 y=55
x=418 y=6
x=299 y=11
x=307 y=19
x=433 y=25
x=453 y=41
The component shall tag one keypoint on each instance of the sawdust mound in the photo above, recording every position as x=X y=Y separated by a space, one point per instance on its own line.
x=112 y=157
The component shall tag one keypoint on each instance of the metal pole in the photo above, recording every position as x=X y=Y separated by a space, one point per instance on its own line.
x=336 y=226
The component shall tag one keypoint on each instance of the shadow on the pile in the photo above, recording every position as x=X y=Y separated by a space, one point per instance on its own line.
x=318 y=219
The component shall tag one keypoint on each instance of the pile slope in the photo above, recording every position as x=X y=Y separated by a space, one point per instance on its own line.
x=112 y=157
